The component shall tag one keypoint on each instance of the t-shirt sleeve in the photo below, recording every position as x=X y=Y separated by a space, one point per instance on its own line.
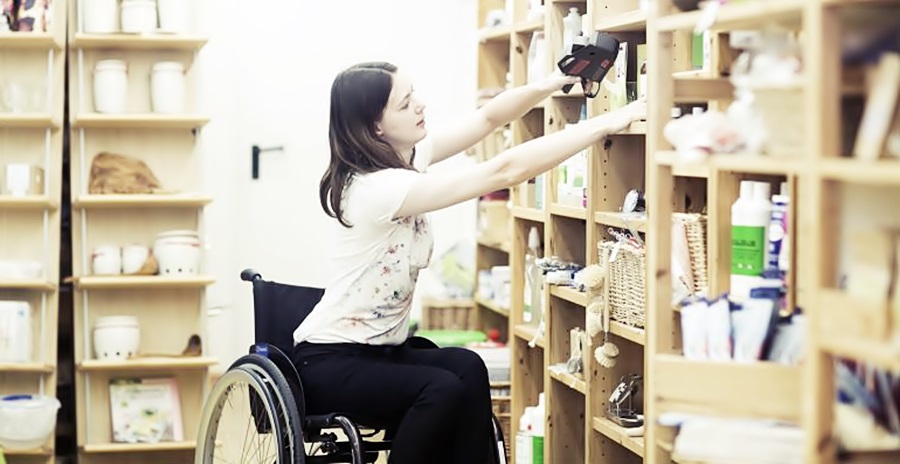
x=379 y=195
x=424 y=154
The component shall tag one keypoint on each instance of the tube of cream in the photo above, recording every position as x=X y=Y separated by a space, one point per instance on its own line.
x=752 y=323
x=718 y=335
x=693 y=328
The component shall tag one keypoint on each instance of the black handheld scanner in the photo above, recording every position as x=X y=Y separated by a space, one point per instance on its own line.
x=590 y=59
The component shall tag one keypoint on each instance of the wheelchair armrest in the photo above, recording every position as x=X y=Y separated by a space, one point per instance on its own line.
x=420 y=343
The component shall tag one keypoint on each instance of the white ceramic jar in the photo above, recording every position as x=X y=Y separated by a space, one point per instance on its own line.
x=110 y=86
x=178 y=252
x=138 y=16
x=100 y=16
x=174 y=16
x=106 y=260
x=116 y=337
x=134 y=256
x=167 y=90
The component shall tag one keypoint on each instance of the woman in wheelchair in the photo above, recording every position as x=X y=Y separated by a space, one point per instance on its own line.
x=352 y=352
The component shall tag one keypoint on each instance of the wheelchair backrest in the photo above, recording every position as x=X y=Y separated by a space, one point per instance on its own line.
x=278 y=309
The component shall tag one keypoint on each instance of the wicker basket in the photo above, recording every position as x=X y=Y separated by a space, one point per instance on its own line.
x=782 y=119
x=626 y=277
x=695 y=231
x=448 y=315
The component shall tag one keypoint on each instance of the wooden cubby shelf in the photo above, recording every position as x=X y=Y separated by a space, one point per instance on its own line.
x=138 y=121
x=28 y=202
x=138 y=41
x=619 y=434
x=36 y=40
x=148 y=364
x=26 y=368
x=28 y=121
x=27 y=284
x=143 y=282
x=740 y=16
x=135 y=448
x=162 y=200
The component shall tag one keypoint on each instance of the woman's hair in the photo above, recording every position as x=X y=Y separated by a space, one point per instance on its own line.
x=358 y=98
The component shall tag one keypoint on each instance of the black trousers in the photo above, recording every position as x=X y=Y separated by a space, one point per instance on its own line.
x=438 y=399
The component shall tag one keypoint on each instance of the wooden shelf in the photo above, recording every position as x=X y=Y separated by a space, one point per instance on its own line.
x=529 y=214
x=43 y=451
x=622 y=220
x=880 y=172
x=526 y=332
x=27 y=284
x=569 y=294
x=494 y=34
x=493 y=306
x=138 y=121
x=25 y=368
x=27 y=121
x=568 y=211
x=147 y=364
x=693 y=86
x=876 y=353
x=632 y=21
x=25 y=40
x=138 y=41
x=618 y=434
x=731 y=162
x=681 y=169
x=34 y=202
x=628 y=332
x=122 y=448
x=749 y=15
x=530 y=25
x=751 y=390
x=558 y=373
x=502 y=246
x=142 y=282
x=186 y=200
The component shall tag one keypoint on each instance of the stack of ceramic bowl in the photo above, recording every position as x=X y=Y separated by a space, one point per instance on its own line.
x=177 y=252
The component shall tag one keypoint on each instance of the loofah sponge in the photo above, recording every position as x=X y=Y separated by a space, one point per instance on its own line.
x=592 y=276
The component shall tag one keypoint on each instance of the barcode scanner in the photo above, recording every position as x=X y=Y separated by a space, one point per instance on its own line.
x=590 y=59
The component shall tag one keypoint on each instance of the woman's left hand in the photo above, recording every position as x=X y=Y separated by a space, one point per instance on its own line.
x=557 y=80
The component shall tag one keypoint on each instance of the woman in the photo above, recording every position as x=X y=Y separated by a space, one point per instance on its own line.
x=351 y=350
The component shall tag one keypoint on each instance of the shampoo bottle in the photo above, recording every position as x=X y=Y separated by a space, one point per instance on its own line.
x=749 y=220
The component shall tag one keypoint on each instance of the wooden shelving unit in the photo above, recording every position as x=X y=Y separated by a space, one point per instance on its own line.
x=169 y=308
x=816 y=178
x=30 y=134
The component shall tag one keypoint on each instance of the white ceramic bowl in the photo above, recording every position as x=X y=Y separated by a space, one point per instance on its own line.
x=26 y=421
x=177 y=252
x=116 y=337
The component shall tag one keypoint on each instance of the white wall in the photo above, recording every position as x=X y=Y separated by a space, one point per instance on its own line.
x=434 y=40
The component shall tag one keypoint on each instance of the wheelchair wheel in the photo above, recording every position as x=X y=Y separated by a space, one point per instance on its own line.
x=241 y=423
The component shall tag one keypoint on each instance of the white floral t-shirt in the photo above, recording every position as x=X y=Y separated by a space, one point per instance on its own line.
x=376 y=262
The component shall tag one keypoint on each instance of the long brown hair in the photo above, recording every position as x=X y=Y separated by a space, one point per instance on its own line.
x=358 y=98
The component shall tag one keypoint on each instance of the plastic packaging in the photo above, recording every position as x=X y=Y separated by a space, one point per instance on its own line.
x=571 y=29
x=749 y=220
x=752 y=323
x=693 y=328
x=718 y=332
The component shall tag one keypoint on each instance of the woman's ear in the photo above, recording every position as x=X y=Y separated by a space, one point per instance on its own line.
x=378 y=130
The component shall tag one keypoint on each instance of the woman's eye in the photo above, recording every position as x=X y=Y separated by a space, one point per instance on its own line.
x=405 y=106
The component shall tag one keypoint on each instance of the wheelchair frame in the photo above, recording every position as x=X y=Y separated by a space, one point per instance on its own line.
x=278 y=397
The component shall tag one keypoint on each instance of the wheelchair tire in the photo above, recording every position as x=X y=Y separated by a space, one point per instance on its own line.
x=219 y=398
x=287 y=415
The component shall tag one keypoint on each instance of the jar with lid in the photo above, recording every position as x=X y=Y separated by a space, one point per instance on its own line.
x=167 y=90
x=110 y=86
x=138 y=16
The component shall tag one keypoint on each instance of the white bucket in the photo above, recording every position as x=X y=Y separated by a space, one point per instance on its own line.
x=100 y=16
x=110 y=86
x=174 y=16
x=116 y=337
x=167 y=87
x=138 y=16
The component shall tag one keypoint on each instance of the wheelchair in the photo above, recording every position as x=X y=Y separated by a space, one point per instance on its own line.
x=263 y=391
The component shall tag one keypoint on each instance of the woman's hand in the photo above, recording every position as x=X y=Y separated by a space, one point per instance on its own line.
x=620 y=119
x=556 y=81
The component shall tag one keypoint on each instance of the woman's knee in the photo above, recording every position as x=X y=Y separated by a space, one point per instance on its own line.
x=443 y=388
x=469 y=366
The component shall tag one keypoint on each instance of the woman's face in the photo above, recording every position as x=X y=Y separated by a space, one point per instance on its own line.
x=403 y=122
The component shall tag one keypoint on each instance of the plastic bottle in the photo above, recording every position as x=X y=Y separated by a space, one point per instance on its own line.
x=537 y=431
x=749 y=220
x=532 y=303
x=571 y=29
x=778 y=251
x=524 y=438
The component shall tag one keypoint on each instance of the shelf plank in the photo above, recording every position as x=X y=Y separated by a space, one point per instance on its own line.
x=34 y=202
x=618 y=434
x=752 y=390
x=139 y=41
x=558 y=373
x=27 y=284
x=568 y=211
x=493 y=306
x=494 y=34
x=693 y=86
x=148 y=363
x=501 y=246
x=529 y=214
x=526 y=332
x=628 y=332
x=569 y=294
x=42 y=451
x=530 y=25
x=118 y=448
x=680 y=169
x=136 y=282
x=26 y=368
x=27 y=40
x=747 y=15
x=622 y=220
x=731 y=162
x=632 y=21
x=185 y=200
x=139 y=121
x=881 y=354
x=840 y=314
x=27 y=120
x=881 y=172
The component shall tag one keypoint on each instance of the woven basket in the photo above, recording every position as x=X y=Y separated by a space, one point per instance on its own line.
x=626 y=277
x=448 y=315
x=695 y=231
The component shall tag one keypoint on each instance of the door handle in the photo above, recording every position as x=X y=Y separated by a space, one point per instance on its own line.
x=254 y=155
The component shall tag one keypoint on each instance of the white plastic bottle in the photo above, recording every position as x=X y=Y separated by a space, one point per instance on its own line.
x=537 y=431
x=749 y=221
x=533 y=291
x=571 y=29
x=524 y=438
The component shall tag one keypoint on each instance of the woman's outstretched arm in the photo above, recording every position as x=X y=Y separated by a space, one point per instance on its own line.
x=499 y=111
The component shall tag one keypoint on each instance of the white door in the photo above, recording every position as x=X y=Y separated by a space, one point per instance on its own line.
x=271 y=70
